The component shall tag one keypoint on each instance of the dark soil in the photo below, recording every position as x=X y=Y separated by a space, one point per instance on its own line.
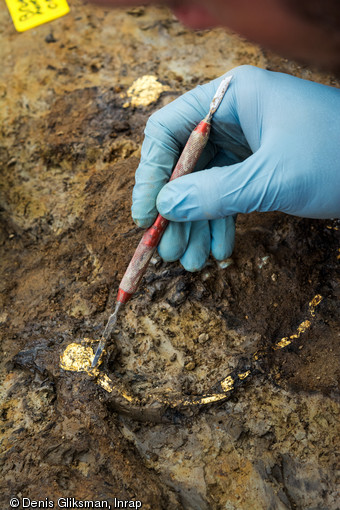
x=65 y=241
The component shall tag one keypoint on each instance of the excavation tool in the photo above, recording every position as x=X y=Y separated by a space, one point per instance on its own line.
x=149 y=242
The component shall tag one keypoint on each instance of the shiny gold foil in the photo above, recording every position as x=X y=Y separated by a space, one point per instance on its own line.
x=244 y=375
x=76 y=358
x=210 y=399
x=144 y=91
x=105 y=382
x=282 y=343
x=302 y=328
x=314 y=303
x=227 y=384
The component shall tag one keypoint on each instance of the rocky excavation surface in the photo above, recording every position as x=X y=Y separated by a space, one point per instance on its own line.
x=69 y=147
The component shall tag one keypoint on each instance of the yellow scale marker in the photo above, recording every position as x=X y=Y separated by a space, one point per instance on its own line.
x=28 y=14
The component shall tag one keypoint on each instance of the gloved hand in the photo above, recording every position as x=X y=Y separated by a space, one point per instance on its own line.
x=274 y=146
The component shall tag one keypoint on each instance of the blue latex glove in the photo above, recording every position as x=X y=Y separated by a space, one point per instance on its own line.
x=274 y=146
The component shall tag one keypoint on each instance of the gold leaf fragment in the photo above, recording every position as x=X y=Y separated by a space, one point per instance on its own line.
x=282 y=343
x=227 y=384
x=144 y=91
x=314 y=303
x=76 y=358
x=303 y=327
x=244 y=375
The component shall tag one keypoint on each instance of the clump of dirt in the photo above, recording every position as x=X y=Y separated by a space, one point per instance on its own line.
x=69 y=150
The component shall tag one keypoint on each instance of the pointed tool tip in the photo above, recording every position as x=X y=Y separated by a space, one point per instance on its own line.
x=98 y=353
x=221 y=90
x=226 y=80
x=219 y=95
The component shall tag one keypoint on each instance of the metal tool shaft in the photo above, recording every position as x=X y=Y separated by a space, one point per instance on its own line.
x=152 y=236
x=106 y=334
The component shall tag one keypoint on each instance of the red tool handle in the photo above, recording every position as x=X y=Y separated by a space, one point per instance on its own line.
x=141 y=258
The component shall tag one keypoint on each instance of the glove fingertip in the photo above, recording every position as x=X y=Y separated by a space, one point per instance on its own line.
x=222 y=237
x=221 y=253
x=143 y=222
x=192 y=267
x=223 y=248
x=174 y=241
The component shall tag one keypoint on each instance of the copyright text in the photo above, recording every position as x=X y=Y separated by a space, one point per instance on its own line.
x=16 y=502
